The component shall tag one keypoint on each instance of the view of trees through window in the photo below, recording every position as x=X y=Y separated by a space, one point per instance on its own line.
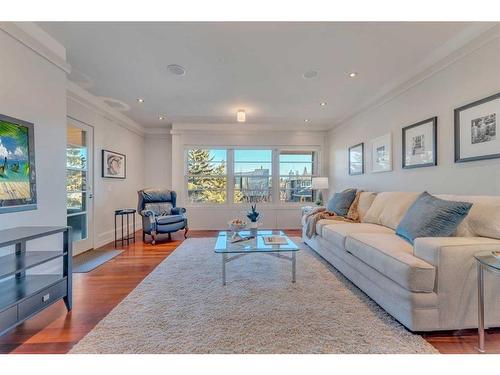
x=251 y=174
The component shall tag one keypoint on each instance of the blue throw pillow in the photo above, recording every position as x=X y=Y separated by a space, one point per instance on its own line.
x=429 y=216
x=340 y=202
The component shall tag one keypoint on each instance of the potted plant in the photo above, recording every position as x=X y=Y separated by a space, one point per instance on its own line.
x=253 y=216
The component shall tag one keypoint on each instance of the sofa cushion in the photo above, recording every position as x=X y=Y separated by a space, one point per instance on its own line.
x=321 y=224
x=393 y=257
x=366 y=199
x=337 y=233
x=483 y=219
x=340 y=202
x=388 y=208
x=429 y=216
x=159 y=208
x=169 y=219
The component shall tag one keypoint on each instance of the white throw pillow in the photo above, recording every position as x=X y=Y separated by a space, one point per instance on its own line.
x=388 y=208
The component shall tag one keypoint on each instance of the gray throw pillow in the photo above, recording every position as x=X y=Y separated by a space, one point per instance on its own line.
x=340 y=202
x=429 y=216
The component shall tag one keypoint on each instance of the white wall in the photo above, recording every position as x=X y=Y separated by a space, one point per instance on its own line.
x=158 y=159
x=33 y=89
x=473 y=77
x=216 y=216
x=111 y=194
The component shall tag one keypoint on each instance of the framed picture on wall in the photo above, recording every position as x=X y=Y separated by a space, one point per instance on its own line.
x=420 y=144
x=381 y=150
x=476 y=130
x=114 y=164
x=356 y=159
x=17 y=165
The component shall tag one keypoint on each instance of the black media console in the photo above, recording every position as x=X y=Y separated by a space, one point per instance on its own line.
x=24 y=291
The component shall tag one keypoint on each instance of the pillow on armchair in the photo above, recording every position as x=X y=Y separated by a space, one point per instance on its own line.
x=160 y=209
x=340 y=202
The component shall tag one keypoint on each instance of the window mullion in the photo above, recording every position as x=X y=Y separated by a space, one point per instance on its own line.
x=275 y=194
x=230 y=176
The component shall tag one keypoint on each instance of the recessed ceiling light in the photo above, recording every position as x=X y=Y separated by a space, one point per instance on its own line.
x=322 y=104
x=140 y=100
x=241 y=115
x=310 y=74
x=176 y=69
x=353 y=74
x=306 y=120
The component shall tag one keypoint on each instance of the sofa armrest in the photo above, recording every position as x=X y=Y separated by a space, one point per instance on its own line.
x=178 y=210
x=447 y=251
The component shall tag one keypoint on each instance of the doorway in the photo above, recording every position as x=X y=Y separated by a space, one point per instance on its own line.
x=79 y=184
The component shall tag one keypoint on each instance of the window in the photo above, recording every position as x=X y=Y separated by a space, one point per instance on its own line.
x=239 y=176
x=296 y=172
x=207 y=176
x=253 y=176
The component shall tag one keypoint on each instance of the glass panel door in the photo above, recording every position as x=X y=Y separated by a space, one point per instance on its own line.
x=79 y=185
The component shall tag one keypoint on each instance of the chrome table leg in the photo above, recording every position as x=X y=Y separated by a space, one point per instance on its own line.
x=480 y=309
x=294 y=266
x=224 y=269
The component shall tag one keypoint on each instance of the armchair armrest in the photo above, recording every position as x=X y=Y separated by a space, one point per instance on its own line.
x=178 y=210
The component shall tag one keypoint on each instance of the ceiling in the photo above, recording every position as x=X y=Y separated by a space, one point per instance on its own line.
x=256 y=66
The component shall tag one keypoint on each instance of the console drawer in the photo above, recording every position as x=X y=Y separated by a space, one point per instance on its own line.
x=43 y=298
x=8 y=318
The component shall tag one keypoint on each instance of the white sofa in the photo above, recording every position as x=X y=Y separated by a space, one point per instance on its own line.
x=429 y=286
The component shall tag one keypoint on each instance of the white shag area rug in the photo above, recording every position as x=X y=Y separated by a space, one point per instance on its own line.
x=182 y=307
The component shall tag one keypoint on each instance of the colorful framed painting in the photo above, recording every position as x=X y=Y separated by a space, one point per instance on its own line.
x=381 y=150
x=420 y=144
x=17 y=165
x=476 y=130
x=357 y=159
x=114 y=165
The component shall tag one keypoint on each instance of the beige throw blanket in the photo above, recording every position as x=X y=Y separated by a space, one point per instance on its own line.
x=320 y=213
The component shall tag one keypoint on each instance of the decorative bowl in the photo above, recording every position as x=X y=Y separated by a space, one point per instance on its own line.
x=236 y=225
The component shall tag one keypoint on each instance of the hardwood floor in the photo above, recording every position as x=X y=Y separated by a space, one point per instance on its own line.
x=96 y=293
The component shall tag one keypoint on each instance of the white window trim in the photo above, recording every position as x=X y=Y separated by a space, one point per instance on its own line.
x=275 y=203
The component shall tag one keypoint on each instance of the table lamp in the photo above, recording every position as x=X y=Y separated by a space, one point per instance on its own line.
x=319 y=183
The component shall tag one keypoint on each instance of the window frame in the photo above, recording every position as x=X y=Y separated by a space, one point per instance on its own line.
x=230 y=174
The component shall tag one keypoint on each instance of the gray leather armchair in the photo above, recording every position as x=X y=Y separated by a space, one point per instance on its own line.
x=160 y=214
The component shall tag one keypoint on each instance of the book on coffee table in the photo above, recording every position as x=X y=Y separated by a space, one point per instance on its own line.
x=275 y=240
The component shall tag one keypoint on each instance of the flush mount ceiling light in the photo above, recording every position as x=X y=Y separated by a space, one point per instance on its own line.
x=241 y=115
x=306 y=120
x=310 y=74
x=140 y=100
x=322 y=104
x=176 y=69
x=353 y=74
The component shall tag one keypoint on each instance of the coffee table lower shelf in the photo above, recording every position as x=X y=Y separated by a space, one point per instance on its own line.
x=226 y=259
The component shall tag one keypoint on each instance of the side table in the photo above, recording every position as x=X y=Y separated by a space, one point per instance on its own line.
x=485 y=260
x=129 y=237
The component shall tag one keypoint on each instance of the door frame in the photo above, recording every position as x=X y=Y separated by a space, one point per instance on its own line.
x=71 y=121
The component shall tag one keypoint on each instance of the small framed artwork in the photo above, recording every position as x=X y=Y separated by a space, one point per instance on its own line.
x=356 y=159
x=114 y=164
x=476 y=130
x=420 y=144
x=381 y=149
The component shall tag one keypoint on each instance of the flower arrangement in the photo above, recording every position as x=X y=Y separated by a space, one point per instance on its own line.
x=253 y=215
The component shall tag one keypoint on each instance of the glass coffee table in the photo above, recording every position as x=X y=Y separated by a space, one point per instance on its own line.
x=231 y=251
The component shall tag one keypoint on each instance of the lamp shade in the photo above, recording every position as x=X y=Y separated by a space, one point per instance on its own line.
x=319 y=183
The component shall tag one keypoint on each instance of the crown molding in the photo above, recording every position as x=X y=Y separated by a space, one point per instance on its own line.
x=465 y=43
x=85 y=98
x=36 y=39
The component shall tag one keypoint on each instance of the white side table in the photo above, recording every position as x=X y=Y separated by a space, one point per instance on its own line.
x=485 y=260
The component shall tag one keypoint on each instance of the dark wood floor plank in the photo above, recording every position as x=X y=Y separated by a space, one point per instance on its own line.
x=96 y=293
